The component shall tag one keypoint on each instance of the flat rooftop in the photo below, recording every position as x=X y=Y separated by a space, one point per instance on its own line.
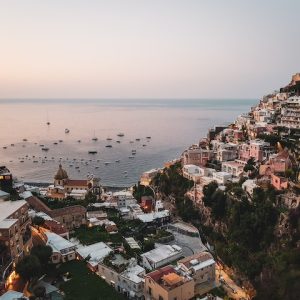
x=162 y=252
x=7 y=208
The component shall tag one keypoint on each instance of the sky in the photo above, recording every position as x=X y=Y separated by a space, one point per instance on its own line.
x=147 y=49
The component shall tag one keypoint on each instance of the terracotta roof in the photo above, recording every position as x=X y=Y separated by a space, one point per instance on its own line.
x=158 y=274
x=37 y=204
x=55 y=227
x=76 y=182
x=75 y=209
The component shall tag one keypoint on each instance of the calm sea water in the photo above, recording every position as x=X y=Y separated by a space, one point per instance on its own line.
x=172 y=124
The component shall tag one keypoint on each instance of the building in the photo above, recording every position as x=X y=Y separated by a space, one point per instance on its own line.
x=78 y=188
x=221 y=177
x=147 y=203
x=157 y=218
x=226 y=152
x=94 y=254
x=6 y=179
x=123 y=198
x=235 y=168
x=279 y=182
x=148 y=176
x=4 y=195
x=290 y=112
x=15 y=233
x=71 y=216
x=161 y=256
x=63 y=250
x=260 y=150
x=249 y=185
x=193 y=172
x=167 y=284
x=126 y=276
x=196 y=155
x=202 y=268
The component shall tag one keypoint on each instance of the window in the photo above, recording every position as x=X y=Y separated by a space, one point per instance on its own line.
x=160 y=297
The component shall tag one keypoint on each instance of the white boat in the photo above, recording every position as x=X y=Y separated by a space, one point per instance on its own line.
x=94 y=137
x=67 y=130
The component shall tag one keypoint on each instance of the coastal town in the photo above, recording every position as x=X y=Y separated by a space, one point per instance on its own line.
x=172 y=236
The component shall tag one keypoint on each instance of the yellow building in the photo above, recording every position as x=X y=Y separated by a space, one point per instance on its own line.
x=167 y=284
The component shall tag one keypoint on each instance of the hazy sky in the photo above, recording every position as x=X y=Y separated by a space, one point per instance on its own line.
x=148 y=49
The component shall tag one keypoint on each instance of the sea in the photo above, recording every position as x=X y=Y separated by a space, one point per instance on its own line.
x=157 y=130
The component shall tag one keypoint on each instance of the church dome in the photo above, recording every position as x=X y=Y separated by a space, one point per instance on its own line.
x=61 y=174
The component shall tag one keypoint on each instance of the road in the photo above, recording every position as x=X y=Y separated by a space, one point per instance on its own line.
x=233 y=290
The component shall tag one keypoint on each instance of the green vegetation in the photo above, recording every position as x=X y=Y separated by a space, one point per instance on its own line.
x=38 y=221
x=140 y=190
x=84 y=284
x=91 y=235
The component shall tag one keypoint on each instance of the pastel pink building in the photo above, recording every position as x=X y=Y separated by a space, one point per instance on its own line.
x=278 y=182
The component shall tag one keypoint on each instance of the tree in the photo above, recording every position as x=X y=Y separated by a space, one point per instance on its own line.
x=29 y=267
x=90 y=198
x=43 y=253
x=38 y=221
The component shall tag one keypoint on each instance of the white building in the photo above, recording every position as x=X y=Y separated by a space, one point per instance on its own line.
x=124 y=198
x=63 y=250
x=127 y=280
x=162 y=216
x=95 y=254
x=161 y=256
x=235 y=168
x=202 y=268
x=193 y=172
x=249 y=185
x=221 y=177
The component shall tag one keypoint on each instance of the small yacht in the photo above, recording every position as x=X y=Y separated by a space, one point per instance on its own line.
x=96 y=167
x=144 y=145
x=118 y=142
x=4 y=147
x=94 y=139
x=137 y=139
x=92 y=152
x=24 y=140
x=107 y=163
x=77 y=167
x=45 y=149
x=12 y=145
x=60 y=141
x=35 y=161
x=109 y=139
x=131 y=142
x=117 y=161
x=108 y=146
x=125 y=172
x=42 y=145
x=148 y=137
x=79 y=141
x=120 y=134
x=55 y=143
x=67 y=130
x=130 y=157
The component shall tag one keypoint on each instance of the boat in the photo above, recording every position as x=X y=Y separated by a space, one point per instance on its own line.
x=148 y=137
x=92 y=152
x=67 y=130
x=125 y=172
x=96 y=167
x=48 y=122
x=24 y=140
x=77 y=167
x=12 y=145
x=107 y=163
x=121 y=134
x=55 y=143
x=117 y=161
x=133 y=151
x=108 y=146
x=60 y=141
x=118 y=142
x=109 y=139
x=35 y=161
x=130 y=157
x=144 y=145
x=21 y=161
x=79 y=141
x=45 y=149
x=42 y=145
x=4 y=147
x=131 y=142
x=94 y=137
x=137 y=139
